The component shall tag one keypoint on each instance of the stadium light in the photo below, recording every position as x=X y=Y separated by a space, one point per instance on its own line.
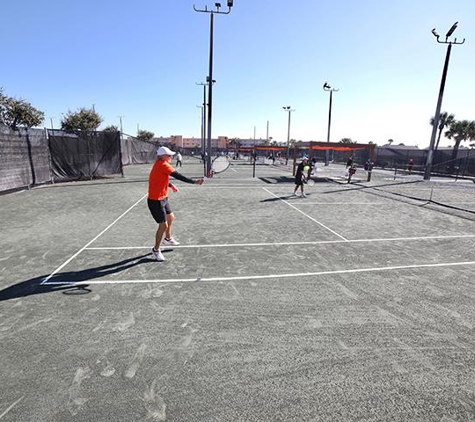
x=451 y=30
x=327 y=87
x=210 y=74
x=430 y=154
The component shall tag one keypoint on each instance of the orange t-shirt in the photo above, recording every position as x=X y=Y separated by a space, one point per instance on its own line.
x=159 y=179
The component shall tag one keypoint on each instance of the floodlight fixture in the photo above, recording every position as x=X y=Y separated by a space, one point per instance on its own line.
x=451 y=30
x=326 y=86
x=230 y=3
x=434 y=32
x=218 y=5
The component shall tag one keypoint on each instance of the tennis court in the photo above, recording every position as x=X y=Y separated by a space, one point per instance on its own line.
x=353 y=304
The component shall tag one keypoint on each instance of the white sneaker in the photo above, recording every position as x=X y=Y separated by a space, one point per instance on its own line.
x=170 y=242
x=158 y=255
x=303 y=195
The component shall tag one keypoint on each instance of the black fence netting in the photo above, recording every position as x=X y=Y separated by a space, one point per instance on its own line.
x=24 y=158
x=84 y=156
x=136 y=151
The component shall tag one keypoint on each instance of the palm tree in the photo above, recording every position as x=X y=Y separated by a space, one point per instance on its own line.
x=234 y=143
x=445 y=120
x=347 y=141
x=460 y=130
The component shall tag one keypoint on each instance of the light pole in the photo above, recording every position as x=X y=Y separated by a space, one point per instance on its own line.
x=203 y=123
x=202 y=107
x=203 y=143
x=327 y=87
x=210 y=73
x=289 y=110
x=441 y=94
x=121 y=131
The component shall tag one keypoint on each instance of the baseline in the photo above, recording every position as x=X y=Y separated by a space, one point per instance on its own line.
x=267 y=276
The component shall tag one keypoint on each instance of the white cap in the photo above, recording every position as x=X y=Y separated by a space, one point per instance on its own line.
x=165 y=151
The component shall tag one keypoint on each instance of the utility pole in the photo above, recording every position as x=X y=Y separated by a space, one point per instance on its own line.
x=430 y=155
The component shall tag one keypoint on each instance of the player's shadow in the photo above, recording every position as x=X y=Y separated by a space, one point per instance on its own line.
x=64 y=281
x=284 y=197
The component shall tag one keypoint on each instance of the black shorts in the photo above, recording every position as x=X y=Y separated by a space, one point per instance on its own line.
x=299 y=180
x=159 y=209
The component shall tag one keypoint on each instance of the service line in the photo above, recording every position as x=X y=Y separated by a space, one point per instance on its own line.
x=306 y=215
x=317 y=242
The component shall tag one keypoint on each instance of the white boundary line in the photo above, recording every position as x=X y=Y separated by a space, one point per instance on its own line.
x=306 y=215
x=320 y=242
x=11 y=406
x=267 y=276
x=93 y=240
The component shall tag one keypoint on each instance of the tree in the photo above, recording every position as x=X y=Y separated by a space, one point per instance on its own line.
x=390 y=141
x=145 y=135
x=83 y=120
x=445 y=120
x=111 y=128
x=347 y=141
x=18 y=112
x=234 y=143
x=459 y=131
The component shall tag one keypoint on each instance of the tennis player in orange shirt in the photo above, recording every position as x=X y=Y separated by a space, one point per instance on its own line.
x=158 y=204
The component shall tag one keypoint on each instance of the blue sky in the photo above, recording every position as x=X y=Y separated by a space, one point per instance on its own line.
x=141 y=60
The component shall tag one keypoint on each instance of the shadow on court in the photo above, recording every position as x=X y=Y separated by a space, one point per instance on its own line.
x=66 y=279
x=290 y=179
x=285 y=197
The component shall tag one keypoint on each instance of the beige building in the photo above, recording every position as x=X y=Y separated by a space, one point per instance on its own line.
x=193 y=143
x=222 y=142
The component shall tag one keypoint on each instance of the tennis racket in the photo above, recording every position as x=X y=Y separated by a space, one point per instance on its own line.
x=220 y=164
x=310 y=182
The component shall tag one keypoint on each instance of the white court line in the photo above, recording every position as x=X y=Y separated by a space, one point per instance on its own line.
x=306 y=215
x=318 y=242
x=305 y=202
x=267 y=276
x=11 y=407
x=93 y=240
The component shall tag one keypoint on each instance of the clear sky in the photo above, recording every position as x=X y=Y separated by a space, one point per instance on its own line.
x=141 y=60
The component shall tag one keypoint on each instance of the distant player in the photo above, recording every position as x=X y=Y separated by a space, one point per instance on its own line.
x=300 y=177
x=179 y=159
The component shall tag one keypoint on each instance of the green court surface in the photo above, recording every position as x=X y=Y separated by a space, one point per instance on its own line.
x=353 y=304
